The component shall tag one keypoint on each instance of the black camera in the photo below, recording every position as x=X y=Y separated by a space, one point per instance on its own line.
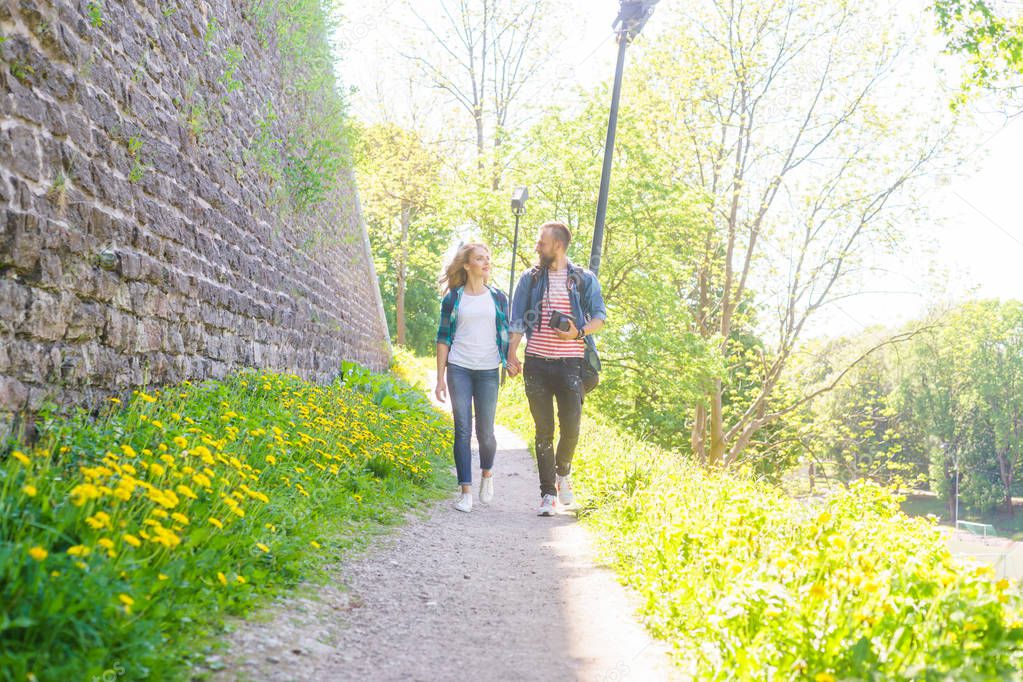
x=560 y=321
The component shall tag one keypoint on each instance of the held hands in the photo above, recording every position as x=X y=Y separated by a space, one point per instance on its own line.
x=514 y=366
x=441 y=391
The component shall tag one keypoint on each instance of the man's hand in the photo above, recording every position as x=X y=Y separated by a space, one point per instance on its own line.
x=514 y=366
x=441 y=391
x=570 y=334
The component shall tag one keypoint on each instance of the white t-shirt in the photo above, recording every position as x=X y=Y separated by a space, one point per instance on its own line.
x=475 y=342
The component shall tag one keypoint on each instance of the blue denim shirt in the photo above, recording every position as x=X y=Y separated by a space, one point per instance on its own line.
x=583 y=293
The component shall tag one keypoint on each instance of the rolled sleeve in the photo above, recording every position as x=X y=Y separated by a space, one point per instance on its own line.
x=444 y=328
x=597 y=310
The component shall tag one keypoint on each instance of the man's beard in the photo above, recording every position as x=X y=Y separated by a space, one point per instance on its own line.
x=545 y=261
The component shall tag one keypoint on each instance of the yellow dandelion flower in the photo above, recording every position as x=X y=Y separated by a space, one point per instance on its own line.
x=823 y=677
x=157 y=469
x=818 y=591
x=180 y=518
x=263 y=547
x=161 y=577
x=222 y=578
x=128 y=450
x=216 y=522
x=106 y=543
x=185 y=491
x=237 y=511
x=146 y=397
x=127 y=601
x=175 y=416
x=157 y=423
x=180 y=442
x=29 y=490
x=38 y=553
x=159 y=513
x=132 y=540
x=20 y=456
x=168 y=459
x=115 y=401
x=823 y=518
x=241 y=579
x=314 y=544
x=79 y=551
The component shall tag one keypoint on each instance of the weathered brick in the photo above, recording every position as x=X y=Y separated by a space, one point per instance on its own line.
x=206 y=277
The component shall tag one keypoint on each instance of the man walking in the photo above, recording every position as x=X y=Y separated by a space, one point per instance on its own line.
x=558 y=306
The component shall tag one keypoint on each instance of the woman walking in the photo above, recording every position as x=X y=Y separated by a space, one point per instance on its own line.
x=472 y=344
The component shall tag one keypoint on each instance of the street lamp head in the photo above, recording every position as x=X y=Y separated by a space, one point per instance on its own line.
x=518 y=200
x=632 y=17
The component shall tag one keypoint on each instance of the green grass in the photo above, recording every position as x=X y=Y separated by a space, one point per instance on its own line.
x=126 y=539
x=746 y=582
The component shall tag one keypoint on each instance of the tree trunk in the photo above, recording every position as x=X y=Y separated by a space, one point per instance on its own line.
x=406 y=219
x=717 y=427
x=1005 y=474
x=698 y=438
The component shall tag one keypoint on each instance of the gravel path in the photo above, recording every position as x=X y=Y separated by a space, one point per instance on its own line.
x=497 y=594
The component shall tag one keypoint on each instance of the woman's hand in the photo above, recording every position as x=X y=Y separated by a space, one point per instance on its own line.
x=441 y=391
x=514 y=366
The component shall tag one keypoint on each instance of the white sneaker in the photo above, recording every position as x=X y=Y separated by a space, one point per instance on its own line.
x=487 y=489
x=548 y=506
x=565 y=495
x=464 y=503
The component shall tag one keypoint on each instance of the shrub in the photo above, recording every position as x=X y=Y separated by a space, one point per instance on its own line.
x=748 y=583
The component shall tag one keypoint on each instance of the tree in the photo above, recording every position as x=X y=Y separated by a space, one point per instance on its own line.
x=990 y=39
x=398 y=176
x=780 y=115
x=483 y=55
x=962 y=389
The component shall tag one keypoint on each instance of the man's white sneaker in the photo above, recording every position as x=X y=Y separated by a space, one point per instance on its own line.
x=547 y=506
x=565 y=496
x=464 y=503
x=487 y=489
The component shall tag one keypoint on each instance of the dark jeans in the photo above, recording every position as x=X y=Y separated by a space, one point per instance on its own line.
x=471 y=388
x=547 y=381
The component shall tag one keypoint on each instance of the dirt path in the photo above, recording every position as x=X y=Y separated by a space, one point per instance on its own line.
x=498 y=594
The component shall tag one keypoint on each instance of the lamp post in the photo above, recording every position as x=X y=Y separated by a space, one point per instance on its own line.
x=518 y=206
x=632 y=17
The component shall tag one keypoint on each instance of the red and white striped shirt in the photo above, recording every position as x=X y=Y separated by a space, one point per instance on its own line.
x=545 y=342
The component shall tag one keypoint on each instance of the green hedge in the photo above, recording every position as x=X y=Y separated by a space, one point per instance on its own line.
x=748 y=583
x=125 y=540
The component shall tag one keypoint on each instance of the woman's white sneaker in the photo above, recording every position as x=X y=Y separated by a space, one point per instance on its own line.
x=464 y=503
x=487 y=489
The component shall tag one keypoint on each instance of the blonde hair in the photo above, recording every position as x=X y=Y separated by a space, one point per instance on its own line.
x=455 y=275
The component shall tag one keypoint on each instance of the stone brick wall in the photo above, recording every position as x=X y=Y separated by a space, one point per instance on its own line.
x=144 y=239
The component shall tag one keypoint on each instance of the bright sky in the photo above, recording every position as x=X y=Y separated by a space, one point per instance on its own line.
x=974 y=249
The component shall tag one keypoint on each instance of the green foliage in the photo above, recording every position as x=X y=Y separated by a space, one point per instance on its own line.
x=125 y=540
x=95 y=12
x=311 y=151
x=398 y=176
x=990 y=39
x=962 y=390
x=747 y=583
x=138 y=167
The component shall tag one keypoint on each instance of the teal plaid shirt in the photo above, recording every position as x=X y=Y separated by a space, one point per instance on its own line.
x=449 y=319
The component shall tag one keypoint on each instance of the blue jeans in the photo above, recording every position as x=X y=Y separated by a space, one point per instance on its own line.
x=473 y=388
